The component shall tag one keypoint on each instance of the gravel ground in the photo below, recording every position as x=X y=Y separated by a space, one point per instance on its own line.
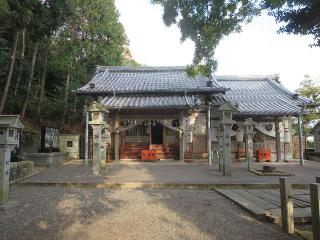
x=84 y=213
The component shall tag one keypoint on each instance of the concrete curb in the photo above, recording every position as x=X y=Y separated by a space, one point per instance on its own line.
x=157 y=185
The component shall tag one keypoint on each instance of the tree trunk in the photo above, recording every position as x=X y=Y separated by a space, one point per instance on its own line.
x=33 y=62
x=20 y=69
x=11 y=65
x=43 y=81
x=67 y=83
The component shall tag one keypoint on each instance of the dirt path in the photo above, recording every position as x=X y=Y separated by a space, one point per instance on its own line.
x=85 y=213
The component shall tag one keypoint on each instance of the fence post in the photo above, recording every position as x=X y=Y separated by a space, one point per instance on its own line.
x=315 y=209
x=286 y=205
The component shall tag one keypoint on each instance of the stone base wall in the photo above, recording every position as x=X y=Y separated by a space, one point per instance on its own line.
x=50 y=160
x=19 y=170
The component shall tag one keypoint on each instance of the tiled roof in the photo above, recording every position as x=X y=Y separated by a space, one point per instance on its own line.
x=146 y=79
x=150 y=101
x=154 y=87
x=259 y=95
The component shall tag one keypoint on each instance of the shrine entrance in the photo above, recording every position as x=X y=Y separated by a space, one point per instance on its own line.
x=157 y=134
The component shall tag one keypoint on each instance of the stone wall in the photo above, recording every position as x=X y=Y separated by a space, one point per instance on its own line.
x=51 y=160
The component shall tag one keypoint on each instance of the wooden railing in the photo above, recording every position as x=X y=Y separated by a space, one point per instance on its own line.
x=287 y=197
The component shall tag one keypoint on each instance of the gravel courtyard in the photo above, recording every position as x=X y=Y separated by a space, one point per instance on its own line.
x=85 y=213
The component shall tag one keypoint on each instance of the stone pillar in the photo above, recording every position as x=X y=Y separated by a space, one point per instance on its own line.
x=278 y=146
x=116 y=137
x=209 y=135
x=86 y=140
x=4 y=173
x=239 y=140
x=226 y=149
x=96 y=150
x=300 y=140
x=249 y=124
x=226 y=123
x=103 y=156
x=181 y=139
x=286 y=140
x=220 y=148
x=249 y=150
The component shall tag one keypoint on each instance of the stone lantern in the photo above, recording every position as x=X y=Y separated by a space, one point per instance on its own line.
x=9 y=138
x=98 y=114
x=249 y=125
x=226 y=123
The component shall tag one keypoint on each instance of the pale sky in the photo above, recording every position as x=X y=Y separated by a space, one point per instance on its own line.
x=257 y=50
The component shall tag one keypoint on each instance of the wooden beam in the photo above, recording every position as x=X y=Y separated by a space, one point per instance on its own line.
x=286 y=205
x=148 y=116
x=315 y=209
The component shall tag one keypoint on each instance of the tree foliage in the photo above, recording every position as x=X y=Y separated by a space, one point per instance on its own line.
x=299 y=16
x=206 y=22
x=72 y=38
x=310 y=88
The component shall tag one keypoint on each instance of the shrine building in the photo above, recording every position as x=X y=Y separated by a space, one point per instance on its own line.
x=181 y=117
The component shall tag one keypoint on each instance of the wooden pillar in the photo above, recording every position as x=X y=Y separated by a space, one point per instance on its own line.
x=181 y=139
x=278 y=146
x=116 y=136
x=86 y=140
x=209 y=135
x=315 y=209
x=300 y=140
x=286 y=205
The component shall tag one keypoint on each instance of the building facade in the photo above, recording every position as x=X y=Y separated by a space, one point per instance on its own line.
x=180 y=117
